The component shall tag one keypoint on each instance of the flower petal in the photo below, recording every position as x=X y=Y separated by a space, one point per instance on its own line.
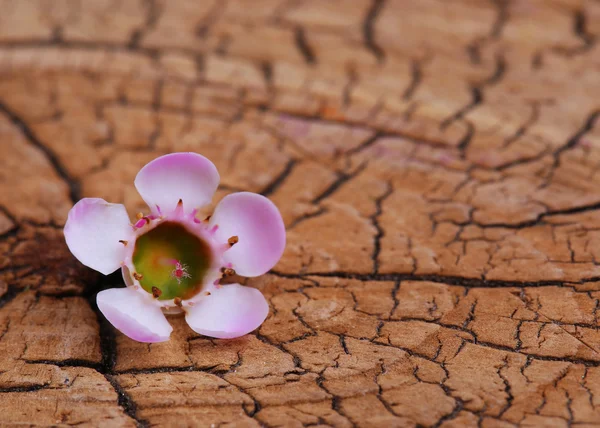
x=230 y=311
x=186 y=176
x=134 y=315
x=257 y=223
x=93 y=230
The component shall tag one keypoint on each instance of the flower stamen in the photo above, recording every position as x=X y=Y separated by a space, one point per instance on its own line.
x=179 y=208
x=144 y=220
x=123 y=242
x=232 y=241
x=227 y=271
x=138 y=276
x=193 y=216
x=180 y=272
x=156 y=292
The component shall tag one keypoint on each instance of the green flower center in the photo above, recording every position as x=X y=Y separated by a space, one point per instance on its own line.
x=171 y=262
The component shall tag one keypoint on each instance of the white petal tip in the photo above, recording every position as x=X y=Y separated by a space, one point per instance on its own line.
x=133 y=315
x=229 y=312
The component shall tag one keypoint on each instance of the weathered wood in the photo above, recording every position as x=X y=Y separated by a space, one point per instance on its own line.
x=436 y=164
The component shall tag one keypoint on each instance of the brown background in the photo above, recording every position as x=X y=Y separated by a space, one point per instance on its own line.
x=436 y=164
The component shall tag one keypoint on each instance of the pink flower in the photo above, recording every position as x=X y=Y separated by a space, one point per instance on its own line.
x=171 y=261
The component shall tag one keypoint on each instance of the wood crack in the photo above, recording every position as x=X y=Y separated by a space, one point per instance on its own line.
x=74 y=191
x=369 y=30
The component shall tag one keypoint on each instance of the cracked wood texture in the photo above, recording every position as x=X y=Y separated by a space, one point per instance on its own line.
x=437 y=165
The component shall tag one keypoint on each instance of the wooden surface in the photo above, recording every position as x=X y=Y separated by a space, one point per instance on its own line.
x=437 y=164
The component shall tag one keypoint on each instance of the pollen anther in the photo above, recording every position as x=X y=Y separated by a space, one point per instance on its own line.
x=123 y=242
x=227 y=271
x=180 y=272
x=232 y=241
